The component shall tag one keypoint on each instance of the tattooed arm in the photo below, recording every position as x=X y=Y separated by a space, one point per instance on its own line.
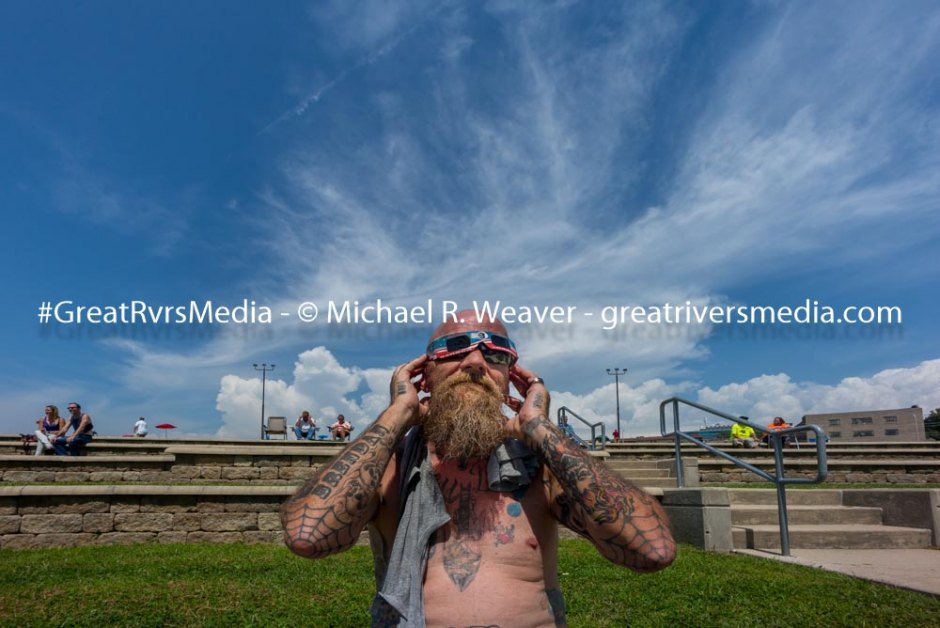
x=329 y=512
x=627 y=525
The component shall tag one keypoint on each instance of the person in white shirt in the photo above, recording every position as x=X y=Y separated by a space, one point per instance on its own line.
x=306 y=427
x=140 y=428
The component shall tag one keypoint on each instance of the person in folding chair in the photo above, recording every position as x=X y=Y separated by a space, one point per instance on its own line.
x=341 y=429
x=306 y=427
x=463 y=502
x=779 y=424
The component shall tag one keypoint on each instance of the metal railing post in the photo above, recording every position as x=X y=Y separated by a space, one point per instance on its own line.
x=563 y=414
x=777 y=442
x=680 y=474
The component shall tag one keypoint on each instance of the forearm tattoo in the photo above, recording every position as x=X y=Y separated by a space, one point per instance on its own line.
x=627 y=525
x=539 y=401
x=327 y=514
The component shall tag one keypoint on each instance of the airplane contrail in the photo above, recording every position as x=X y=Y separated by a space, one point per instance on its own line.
x=299 y=109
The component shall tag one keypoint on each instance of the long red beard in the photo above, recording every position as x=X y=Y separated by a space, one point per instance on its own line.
x=464 y=418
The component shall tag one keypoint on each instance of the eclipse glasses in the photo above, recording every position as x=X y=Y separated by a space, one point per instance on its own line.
x=495 y=349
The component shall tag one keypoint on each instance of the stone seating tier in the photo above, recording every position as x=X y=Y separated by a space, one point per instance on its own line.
x=11 y=444
x=70 y=516
x=180 y=464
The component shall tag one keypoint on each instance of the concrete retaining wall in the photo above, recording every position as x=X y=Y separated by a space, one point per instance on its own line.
x=44 y=516
x=840 y=472
x=216 y=465
x=912 y=508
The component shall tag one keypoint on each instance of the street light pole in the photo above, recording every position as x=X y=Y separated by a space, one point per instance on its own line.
x=617 y=372
x=264 y=367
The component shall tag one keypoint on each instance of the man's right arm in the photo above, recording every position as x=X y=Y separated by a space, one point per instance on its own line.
x=328 y=513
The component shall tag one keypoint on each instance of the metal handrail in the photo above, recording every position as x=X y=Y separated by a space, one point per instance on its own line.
x=775 y=438
x=562 y=415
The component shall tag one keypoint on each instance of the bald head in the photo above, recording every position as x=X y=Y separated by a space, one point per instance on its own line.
x=467 y=320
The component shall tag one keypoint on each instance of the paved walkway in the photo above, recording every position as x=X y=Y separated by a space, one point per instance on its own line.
x=914 y=569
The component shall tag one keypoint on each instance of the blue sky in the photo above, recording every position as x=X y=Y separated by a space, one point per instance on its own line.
x=570 y=153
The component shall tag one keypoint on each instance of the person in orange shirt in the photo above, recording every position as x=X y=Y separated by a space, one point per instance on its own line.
x=779 y=424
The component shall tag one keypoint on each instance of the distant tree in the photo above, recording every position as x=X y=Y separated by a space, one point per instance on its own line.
x=932 y=424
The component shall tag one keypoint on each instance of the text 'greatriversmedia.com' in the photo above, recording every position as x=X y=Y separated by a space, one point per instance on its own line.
x=430 y=312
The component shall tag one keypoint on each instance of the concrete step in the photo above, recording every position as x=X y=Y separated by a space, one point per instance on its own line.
x=648 y=472
x=795 y=497
x=659 y=482
x=643 y=473
x=800 y=515
x=831 y=537
x=631 y=464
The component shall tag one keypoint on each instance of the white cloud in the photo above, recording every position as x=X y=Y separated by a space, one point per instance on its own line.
x=325 y=387
x=764 y=397
x=524 y=201
x=508 y=171
x=319 y=384
x=639 y=406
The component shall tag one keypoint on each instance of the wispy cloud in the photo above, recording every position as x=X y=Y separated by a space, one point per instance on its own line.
x=508 y=181
x=512 y=170
x=380 y=19
x=79 y=189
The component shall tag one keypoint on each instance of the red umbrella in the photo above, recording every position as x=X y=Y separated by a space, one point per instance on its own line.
x=165 y=427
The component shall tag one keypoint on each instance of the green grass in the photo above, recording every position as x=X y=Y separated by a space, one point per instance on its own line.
x=260 y=585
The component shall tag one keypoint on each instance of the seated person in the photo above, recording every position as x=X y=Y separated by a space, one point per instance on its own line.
x=49 y=427
x=743 y=436
x=140 y=428
x=82 y=428
x=779 y=424
x=305 y=428
x=341 y=429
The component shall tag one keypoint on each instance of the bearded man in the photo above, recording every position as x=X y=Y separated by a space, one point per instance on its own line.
x=463 y=503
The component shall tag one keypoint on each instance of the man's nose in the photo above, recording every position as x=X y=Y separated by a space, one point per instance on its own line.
x=473 y=363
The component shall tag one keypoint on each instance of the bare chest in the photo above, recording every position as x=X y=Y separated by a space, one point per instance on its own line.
x=498 y=551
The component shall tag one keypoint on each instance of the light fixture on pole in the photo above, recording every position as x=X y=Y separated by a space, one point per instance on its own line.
x=264 y=367
x=617 y=372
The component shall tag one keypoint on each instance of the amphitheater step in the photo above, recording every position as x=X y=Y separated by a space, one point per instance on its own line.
x=809 y=515
x=650 y=481
x=614 y=463
x=795 y=497
x=645 y=472
x=832 y=537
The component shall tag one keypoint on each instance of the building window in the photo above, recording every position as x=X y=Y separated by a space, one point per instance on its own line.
x=835 y=422
x=892 y=432
x=891 y=418
x=861 y=420
x=835 y=434
x=863 y=433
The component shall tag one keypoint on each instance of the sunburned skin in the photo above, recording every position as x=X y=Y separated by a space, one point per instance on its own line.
x=495 y=562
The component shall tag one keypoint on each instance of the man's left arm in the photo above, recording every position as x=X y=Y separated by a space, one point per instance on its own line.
x=627 y=525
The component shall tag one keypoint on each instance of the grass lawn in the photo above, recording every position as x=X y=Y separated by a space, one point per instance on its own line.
x=260 y=585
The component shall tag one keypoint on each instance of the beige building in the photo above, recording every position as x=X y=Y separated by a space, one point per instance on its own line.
x=903 y=424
